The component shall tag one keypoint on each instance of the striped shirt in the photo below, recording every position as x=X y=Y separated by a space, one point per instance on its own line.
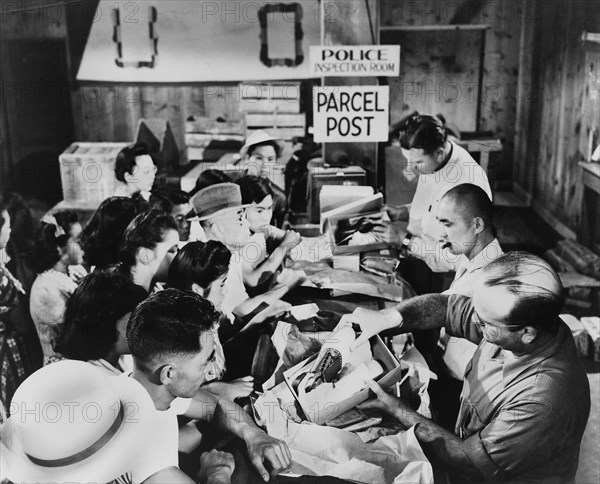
x=522 y=417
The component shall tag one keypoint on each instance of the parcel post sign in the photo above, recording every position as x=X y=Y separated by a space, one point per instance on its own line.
x=355 y=60
x=351 y=113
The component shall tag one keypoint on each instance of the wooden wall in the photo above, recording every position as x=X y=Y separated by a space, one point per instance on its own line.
x=559 y=108
x=500 y=68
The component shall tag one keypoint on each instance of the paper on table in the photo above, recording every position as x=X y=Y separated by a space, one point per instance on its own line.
x=335 y=452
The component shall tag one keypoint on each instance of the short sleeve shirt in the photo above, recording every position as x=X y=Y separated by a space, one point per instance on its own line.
x=163 y=453
x=522 y=417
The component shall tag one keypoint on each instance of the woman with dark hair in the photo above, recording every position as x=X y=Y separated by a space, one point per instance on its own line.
x=268 y=246
x=101 y=237
x=56 y=248
x=149 y=244
x=95 y=319
x=209 y=177
x=202 y=267
x=135 y=171
x=20 y=354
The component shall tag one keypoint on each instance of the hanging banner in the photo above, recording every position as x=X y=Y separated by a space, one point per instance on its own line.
x=199 y=41
x=355 y=60
x=351 y=113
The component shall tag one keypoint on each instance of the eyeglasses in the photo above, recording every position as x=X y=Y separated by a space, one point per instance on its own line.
x=481 y=323
x=149 y=171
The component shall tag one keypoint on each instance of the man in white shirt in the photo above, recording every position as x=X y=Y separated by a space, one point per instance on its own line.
x=441 y=165
x=465 y=215
x=171 y=339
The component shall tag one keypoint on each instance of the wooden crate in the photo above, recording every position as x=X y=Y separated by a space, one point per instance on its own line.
x=87 y=171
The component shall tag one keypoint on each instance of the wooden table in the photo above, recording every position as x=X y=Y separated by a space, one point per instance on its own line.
x=482 y=146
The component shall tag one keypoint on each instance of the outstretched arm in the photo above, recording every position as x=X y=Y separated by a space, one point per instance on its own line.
x=421 y=312
x=231 y=418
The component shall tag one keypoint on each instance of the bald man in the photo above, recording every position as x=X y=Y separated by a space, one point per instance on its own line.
x=526 y=396
x=465 y=216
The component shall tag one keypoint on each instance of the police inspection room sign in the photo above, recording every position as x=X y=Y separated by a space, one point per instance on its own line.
x=355 y=60
x=351 y=113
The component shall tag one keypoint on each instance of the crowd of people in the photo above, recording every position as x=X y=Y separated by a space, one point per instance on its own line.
x=151 y=313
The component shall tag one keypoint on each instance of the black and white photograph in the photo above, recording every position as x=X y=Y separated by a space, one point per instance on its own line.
x=299 y=241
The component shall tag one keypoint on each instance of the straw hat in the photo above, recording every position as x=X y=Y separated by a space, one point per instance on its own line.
x=255 y=138
x=72 y=422
x=216 y=199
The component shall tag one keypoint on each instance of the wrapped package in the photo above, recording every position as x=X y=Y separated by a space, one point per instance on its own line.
x=592 y=326
x=580 y=334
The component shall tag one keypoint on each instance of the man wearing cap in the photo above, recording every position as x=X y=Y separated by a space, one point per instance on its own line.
x=70 y=422
x=219 y=210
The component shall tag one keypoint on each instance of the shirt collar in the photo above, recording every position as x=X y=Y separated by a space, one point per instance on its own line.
x=514 y=367
x=487 y=255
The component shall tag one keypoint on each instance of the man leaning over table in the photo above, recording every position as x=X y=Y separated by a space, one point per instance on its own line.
x=441 y=164
x=465 y=216
x=526 y=397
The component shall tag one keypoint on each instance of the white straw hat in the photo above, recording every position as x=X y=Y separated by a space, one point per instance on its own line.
x=70 y=422
x=257 y=137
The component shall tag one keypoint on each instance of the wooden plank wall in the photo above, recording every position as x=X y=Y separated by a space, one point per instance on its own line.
x=501 y=61
x=23 y=20
x=561 y=113
x=346 y=22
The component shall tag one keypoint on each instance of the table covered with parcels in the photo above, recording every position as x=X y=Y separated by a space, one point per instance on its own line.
x=310 y=383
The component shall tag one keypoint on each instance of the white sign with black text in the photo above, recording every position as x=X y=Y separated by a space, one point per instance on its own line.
x=355 y=60
x=351 y=113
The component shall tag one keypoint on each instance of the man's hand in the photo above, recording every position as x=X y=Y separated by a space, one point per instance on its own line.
x=393 y=406
x=77 y=272
x=392 y=233
x=372 y=323
x=290 y=240
x=290 y=278
x=278 y=308
x=263 y=449
x=216 y=467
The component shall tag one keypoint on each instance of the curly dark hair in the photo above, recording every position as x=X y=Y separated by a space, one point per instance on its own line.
x=47 y=245
x=254 y=189
x=102 y=236
x=209 y=177
x=125 y=161
x=166 y=198
x=146 y=230
x=92 y=312
x=198 y=262
x=169 y=322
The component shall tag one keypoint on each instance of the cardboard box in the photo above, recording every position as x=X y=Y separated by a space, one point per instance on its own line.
x=87 y=171
x=328 y=410
x=318 y=176
x=351 y=214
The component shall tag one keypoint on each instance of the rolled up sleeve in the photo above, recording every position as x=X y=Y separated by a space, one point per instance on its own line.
x=459 y=315
x=520 y=438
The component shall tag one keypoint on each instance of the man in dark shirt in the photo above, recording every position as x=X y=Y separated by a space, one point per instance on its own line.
x=526 y=398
